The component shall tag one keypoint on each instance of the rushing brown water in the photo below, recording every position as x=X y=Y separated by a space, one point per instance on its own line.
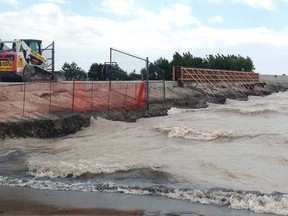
x=232 y=155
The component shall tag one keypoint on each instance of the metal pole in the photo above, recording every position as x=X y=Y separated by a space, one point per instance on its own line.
x=73 y=94
x=92 y=91
x=147 y=82
x=50 y=99
x=108 y=100
x=53 y=56
x=164 y=87
x=23 y=111
x=110 y=69
x=125 y=96
x=135 y=85
x=125 y=53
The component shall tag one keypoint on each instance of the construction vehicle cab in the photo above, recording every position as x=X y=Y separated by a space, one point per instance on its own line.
x=22 y=60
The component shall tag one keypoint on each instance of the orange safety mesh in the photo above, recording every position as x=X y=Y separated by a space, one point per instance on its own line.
x=61 y=96
x=101 y=96
x=33 y=99
x=11 y=100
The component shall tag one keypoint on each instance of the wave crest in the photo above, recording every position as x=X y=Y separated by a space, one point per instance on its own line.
x=274 y=203
x=190 y=133
x=174 y=111
x=57 y=168
x=250 y=110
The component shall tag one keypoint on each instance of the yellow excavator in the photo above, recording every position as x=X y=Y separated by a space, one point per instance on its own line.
x=22 y=60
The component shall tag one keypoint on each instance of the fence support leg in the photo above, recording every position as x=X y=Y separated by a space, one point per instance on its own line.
x=109 y=91
x=92 y=91
x=73 y=95
x=24 y=98
x=147 y=85
x=50 y=99
x=125 y=96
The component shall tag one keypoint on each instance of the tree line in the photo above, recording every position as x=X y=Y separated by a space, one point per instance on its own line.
x=159 y=69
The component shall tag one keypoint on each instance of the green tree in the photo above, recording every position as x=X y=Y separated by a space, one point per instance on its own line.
x=154 y=72
x=118 y=73
x=187 y=60
x=177 y=60
x=165 y=65
x=72 y=71
x=93 y=72
x=160 y=69
x=229 y=62
x=240 y=63
x=143 y=73
x=217 y=62
x=135 y=76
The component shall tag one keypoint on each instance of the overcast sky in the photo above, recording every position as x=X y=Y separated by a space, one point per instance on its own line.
x=84 y=30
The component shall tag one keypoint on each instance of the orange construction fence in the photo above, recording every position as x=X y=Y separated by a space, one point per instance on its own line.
x=34 y=98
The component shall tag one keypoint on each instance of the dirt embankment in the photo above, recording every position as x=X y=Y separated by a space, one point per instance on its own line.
x=48 y=126
x=64 y=123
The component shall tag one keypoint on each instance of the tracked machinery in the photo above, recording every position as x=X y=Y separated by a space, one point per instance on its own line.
x=22 y=60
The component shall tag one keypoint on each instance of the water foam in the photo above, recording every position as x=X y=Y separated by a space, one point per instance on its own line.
x=248 y=110
x=174 y=111
x=191 y=133
x=272 y=104
x=54 y=168
x=275 y=203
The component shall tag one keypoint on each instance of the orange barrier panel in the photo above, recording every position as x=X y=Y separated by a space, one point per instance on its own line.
x=140 y=99
x=61 y=96
x=81 y=95
x=100 y=95
x=11 y=100
x=105 y=95
x=36 y=98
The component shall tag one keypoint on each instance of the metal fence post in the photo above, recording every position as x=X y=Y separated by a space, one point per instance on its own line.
x=50 y=99
x=24 y=98
x=147 y=84
x=73 y=94
x=135 y=85
x=110 y=68
x=92 y=91
x=53 y=56
x=109 y=91
x=164 y=90
x=125 y=96
x=164 y=84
